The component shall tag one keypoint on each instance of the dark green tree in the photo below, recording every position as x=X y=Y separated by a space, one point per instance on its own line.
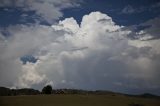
x=47 y=89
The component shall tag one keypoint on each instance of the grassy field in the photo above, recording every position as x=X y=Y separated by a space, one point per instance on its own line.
x=76 y=100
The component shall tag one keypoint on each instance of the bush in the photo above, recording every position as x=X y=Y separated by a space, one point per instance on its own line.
x=47 y=89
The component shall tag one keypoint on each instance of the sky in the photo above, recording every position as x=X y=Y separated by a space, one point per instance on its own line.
x=81 y=44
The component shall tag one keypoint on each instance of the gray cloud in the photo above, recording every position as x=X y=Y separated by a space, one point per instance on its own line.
x=49 y=10
x=154 y=28
x=128 y=10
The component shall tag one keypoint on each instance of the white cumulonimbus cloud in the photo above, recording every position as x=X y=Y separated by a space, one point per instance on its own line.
x=97 y=54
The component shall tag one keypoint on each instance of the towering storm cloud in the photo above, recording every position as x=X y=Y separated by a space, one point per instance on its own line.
x=96 y=53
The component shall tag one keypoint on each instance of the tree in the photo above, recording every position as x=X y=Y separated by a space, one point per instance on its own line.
x=47 y=89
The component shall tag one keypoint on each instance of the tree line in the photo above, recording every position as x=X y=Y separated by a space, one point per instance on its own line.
x=47 y=90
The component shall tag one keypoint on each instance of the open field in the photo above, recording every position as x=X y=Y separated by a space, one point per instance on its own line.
x=76 y=100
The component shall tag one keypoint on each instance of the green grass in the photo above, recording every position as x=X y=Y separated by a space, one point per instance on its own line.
x=75 y=100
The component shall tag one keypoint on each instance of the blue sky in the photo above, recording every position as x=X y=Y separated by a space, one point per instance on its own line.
x=82 y=44
x=141 y=11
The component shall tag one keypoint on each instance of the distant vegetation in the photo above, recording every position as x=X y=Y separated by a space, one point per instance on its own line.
x=13 y=92
x=48 y=90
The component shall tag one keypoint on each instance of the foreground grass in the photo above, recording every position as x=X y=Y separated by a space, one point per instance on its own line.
x=76 y=100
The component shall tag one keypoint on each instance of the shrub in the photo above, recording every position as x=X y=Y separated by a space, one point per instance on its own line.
x=47 y=89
